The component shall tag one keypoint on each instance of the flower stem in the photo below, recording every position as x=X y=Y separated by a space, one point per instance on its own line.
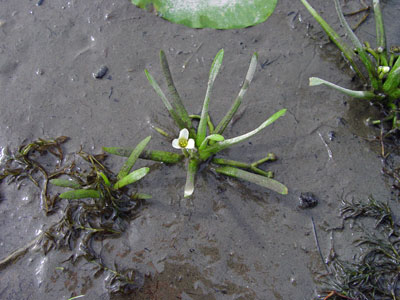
x=193 y=166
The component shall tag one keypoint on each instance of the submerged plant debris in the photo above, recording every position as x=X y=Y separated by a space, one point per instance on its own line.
x=97 y=207
x=374 y=272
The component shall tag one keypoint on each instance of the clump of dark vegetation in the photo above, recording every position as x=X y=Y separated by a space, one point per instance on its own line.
x=375 y=271
x=99 y=204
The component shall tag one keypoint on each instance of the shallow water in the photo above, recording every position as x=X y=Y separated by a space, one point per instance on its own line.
x=231 y=240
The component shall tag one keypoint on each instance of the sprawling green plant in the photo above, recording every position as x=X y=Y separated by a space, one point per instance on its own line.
x=107 y=187
x=382 y=66
x=199 y=145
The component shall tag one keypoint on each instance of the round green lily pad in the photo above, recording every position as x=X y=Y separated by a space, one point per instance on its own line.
x=219 y=14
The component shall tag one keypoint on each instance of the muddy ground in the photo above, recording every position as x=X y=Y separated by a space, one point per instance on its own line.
x=231 y=240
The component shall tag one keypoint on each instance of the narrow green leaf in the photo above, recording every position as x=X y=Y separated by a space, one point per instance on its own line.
x=69 y=183
x=263 y=181
x=155 y=155
x=235 y=106
x=131 y=177
x=334 y=36
x=230 y=142
x=176 y=99
x=380 y=28
x=392 y=81
x=360 y=49
x=202 y=129
x=126 y=168
x=80 y=194
x=141 y=196
x=105 y=179
x=355 y=94
x=164 y=99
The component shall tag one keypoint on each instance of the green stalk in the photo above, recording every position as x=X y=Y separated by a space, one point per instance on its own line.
x=164 y=99
x=202 y=129
x=263 y=181
x=155 y=155
x=368 y=95
x=229 y=115
x=347 y=51
x=242 y=165
x=126 y=168
x=360 y=49
x=193 y=166
x=213 y=149
x=176 y=99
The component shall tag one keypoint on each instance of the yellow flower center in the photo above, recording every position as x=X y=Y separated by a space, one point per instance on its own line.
x=183 y=142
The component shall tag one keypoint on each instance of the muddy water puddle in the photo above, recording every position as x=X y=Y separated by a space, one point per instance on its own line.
x=231 y=240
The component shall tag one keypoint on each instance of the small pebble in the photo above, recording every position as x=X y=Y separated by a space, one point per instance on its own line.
x=40 y=2
x=307 y=200
x=101 y=72
x=331 y=135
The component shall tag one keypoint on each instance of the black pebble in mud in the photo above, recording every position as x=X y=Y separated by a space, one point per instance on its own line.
x=40 y=2
x=101 y=72
x=307 y=200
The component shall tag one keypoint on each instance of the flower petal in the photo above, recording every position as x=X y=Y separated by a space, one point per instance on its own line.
x=190 y=144
x=175 y=144
x=184 y=133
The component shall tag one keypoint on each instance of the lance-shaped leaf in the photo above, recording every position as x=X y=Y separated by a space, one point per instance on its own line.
x=202 y=129
x=229 y=115
x=155 y=155
x=230 y=142
x=192 y=168
x=131 y=177
x=263 y=181
x=360 y=49
x=380 y=28
x=164 y=99
x=392 y=81
x=69 y=183
x=80 y=194
x=223 y=14
x=355 y=94
x=126 y=168
x=176 y=99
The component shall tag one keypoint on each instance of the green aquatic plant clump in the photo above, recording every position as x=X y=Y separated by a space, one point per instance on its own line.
x=381 y=64
x=200 y=145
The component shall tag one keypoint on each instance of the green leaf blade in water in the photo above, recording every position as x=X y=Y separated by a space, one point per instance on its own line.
x=80 y=194
x=263 y=181
x=131 y=177
x=219 y=14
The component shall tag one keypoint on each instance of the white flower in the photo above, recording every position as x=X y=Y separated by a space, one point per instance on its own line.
x=183 y=142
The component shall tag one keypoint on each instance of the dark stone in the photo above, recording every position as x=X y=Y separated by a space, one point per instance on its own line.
x=101 y=72
x=307 y=200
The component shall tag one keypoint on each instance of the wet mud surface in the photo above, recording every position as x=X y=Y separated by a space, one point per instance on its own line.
x=231 y=240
